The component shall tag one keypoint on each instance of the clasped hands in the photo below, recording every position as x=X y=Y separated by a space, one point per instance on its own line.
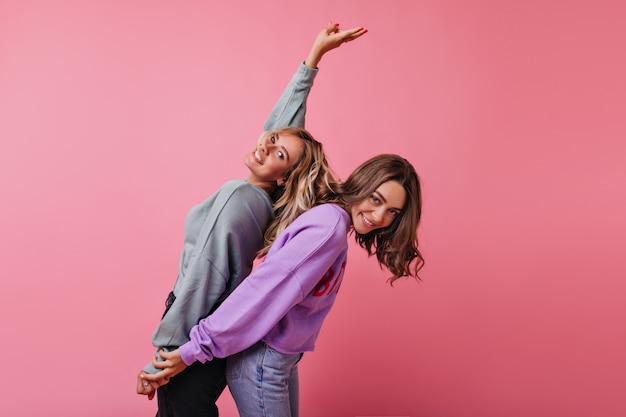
x=171 y=364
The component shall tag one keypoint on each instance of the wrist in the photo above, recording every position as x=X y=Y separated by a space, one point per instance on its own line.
x=314 y=58
x=311 y=63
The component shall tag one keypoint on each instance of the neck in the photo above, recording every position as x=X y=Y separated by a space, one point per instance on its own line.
x=267 y=186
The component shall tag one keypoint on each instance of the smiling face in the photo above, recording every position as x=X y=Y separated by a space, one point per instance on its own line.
x=380 y=209
x=273 y=157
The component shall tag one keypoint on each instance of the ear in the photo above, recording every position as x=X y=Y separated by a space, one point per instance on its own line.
x=281 y=182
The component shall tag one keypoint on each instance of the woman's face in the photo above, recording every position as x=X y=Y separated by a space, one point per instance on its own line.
x=273 y=156
x=379 y=209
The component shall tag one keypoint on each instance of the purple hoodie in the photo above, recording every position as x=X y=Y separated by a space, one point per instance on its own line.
x=285 y=299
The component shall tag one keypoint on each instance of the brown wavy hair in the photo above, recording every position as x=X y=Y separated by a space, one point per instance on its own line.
x=395 y=246
x=310 y=181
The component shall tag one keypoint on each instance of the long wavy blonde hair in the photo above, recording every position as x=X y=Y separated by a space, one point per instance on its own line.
x=310 y=181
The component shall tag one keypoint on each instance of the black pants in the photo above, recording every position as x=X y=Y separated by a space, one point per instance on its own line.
x=194 y=391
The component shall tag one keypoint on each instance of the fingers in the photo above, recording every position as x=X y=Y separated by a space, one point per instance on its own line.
x=149 y=383
x=160 y=364
x=160 y=378
x=332 y=28
x=352 y=34
x=164 y=354
x=340 y=36
x=164 y=361
x=346 y=34
x=144 y=387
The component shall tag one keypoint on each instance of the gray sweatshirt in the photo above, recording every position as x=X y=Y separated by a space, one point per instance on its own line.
x=224 y=233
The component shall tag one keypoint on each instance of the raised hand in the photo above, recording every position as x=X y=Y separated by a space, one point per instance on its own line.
x=329 y=38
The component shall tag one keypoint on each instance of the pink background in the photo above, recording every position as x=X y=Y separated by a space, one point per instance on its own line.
x=117 y=117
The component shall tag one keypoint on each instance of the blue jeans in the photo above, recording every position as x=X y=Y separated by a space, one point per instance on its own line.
x=264 y=382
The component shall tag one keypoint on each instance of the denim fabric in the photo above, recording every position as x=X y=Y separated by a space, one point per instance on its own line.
x=264 y=382
x=194 y=391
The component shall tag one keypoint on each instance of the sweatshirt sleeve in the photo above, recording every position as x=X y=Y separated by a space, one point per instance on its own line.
x=288 y=274
x=290 y=109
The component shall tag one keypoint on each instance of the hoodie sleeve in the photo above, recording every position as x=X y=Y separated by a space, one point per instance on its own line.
x=290 y=109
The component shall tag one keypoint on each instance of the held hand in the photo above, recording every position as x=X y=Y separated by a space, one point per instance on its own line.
x=171 y=365
x=145 y=387
x=329 y=38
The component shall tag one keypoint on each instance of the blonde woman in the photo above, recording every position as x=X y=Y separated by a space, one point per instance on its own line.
x=223 y=234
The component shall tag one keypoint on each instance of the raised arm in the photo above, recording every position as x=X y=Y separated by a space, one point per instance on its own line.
x=290 y=110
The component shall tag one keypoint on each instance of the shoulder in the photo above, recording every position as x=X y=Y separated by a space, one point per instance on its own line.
x=242 y=203
x=236 y=185
x=328 y=209
x=320 y=231
x=329 y=218
x=239 y=192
